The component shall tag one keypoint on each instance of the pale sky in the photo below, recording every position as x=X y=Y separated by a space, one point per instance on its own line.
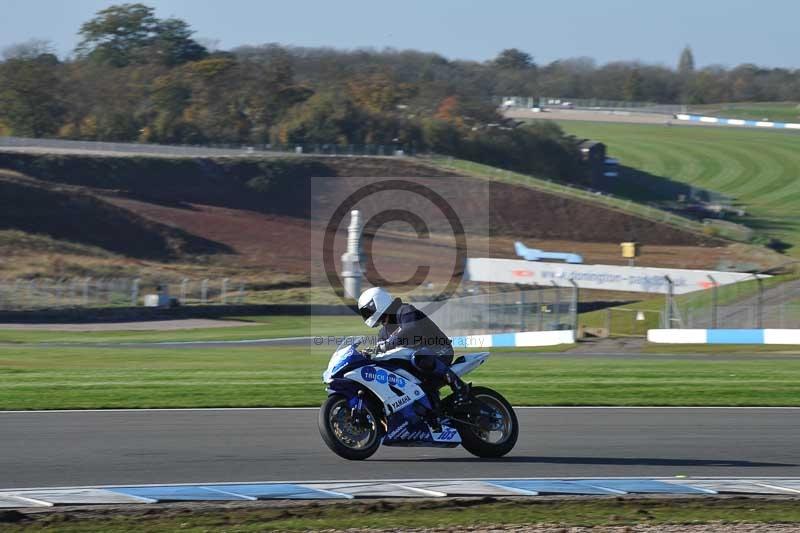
x=725 y=32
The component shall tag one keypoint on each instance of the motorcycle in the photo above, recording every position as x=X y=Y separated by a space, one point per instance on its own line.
x=376 y=399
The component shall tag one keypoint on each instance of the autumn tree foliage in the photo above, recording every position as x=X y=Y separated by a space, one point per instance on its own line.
x=137 y=77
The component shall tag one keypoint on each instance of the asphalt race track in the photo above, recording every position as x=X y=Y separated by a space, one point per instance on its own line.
x=48 y=449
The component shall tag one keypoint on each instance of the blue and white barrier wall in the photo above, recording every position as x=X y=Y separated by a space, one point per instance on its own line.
x=721 y=121
x=513 y=340
x=724 y=336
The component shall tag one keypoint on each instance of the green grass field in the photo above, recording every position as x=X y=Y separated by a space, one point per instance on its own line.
x=759 y=169
x=261 y=327
x=111 y=377
x=775 y=111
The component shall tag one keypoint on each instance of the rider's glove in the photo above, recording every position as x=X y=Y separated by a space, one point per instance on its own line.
x=380 y=347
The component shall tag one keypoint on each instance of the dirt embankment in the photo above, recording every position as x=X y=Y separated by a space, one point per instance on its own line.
x=261 y=212
x=77 y=216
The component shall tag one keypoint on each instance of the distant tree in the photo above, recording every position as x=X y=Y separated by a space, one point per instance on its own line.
x=173 y=43
x=324 y=118
x=442 y=136
x=686 y=77
x=632 y=90
x=448 y=110
x=686 y=62
x=30 y=49
x=130 y=33
x=378 y=92
x=30 y=104
x=118 y=34
x=514 y=59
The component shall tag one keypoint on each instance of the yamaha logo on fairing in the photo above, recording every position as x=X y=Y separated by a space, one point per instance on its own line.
x=368 y=373
x=397 y=404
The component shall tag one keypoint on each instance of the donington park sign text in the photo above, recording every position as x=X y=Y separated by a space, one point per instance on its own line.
x=606 y=277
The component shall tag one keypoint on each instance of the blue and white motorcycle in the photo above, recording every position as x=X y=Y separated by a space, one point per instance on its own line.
x=376 y=399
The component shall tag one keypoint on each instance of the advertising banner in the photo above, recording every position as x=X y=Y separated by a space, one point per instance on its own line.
x=605 y=277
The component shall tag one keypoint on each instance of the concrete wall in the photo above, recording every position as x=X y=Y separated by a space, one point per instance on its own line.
x=724 y=336
x=512 y=340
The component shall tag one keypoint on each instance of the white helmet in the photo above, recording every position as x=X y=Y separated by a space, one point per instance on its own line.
x=372 y=304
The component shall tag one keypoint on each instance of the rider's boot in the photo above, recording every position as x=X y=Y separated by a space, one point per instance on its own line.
x=431 y=415
x=461 y=392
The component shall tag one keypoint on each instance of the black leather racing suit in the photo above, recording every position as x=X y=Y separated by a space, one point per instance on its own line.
x=407 y=326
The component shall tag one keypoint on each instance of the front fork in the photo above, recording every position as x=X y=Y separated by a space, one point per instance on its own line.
x=357 y=407
x=358 y=411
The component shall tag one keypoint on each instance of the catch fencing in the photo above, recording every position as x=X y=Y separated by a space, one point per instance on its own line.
x=37 y=294
x=757 y=304
x=471 y=313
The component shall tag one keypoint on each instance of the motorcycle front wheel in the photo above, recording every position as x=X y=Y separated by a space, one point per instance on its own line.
x=352 y=437
x=498 y=432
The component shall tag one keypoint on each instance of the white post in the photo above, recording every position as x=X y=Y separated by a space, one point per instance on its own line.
x=204 y=291
x=86 y=291
x=224 y=295
x=351 y=259
x=135 y=292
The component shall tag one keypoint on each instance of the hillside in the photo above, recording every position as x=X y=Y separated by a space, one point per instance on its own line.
x=759 y=170
x=168 y=218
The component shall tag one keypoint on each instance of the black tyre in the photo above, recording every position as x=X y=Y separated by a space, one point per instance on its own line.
x=346 y=436
x=501 y=438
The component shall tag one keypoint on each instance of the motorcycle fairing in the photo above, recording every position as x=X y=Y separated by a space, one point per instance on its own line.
x=403 y=401
x=469 y=362
x=343 y=359
x=407 y=428
x=399 y=391
x=395 y=389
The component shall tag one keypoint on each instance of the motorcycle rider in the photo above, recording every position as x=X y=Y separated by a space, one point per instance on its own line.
x=405 y=325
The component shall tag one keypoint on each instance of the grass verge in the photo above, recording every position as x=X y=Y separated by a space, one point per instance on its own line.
x=775 y=111
x=110 y=377
x=258 y=327
x=395 y=516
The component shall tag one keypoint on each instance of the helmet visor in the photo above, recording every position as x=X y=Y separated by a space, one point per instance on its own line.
x=368 y=310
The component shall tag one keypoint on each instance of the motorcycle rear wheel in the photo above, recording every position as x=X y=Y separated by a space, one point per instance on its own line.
x=496 y=442
x=345 y=436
